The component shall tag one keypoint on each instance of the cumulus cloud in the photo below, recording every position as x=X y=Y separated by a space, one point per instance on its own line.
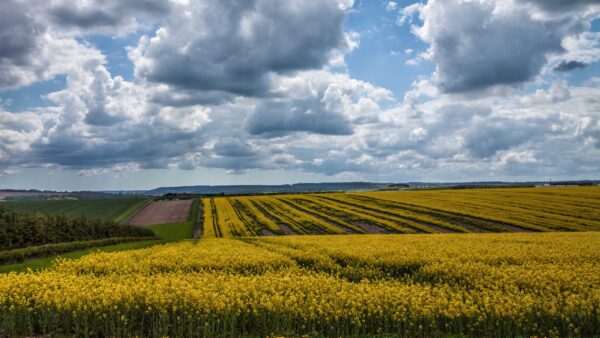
x=581 y=50
x=17 y=32
x=104 y=16
x=16 y=133
x=417 y=134
x=480 y=44
x=485 y=137
x=31 y=52
x=407 y=13
x=235 y=46
x=277 y=118
x=472 y=138
x=18 y=39
x=561 y=6
x=542 y=133
x=232 y=147
x=316 y=102
x=101 y=121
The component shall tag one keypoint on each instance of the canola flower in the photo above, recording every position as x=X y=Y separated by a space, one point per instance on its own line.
x=542 y=284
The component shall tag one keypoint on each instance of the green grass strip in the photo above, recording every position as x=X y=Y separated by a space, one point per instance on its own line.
x=19 y=255
x=40 y=263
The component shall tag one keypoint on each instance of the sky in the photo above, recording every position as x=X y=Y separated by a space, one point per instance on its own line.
x=137 y=94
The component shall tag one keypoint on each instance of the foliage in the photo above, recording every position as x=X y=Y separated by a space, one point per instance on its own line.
x=20 y=230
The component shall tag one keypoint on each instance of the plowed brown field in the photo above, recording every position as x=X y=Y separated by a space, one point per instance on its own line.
x=163 y=212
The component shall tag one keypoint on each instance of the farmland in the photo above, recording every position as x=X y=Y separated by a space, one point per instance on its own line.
x=30 y=235
x=444 y=211
x=106 y=209
x=163 y=212
x=478 y=262
x=519 y=284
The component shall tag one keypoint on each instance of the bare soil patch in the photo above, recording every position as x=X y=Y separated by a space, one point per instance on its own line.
x=163 y=212
x=370 y=228
x=286 y=229
x=265 y=232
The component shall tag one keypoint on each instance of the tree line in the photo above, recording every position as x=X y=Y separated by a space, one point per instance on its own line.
x=20 y=230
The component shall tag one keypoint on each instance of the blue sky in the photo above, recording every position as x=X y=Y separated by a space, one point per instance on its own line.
x=136 y=94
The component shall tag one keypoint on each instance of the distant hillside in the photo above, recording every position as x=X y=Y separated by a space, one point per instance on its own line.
x=257 y=189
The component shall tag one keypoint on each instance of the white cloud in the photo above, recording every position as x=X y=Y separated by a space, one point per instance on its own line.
x=17 y=132
x=236 y=47
x=417 y=134
x=407 y=13
x=485 y=43
x=30 y=51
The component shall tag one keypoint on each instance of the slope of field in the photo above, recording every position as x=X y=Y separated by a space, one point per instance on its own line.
x=502 y=285
x=179 y=230
x=163 y=212
x=106 y=209
x=434 y=211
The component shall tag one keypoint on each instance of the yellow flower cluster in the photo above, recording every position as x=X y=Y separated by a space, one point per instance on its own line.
x=402 y=285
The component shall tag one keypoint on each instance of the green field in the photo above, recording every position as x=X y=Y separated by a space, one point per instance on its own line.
x=413 y=285
x=166 y=232
x=107 y=209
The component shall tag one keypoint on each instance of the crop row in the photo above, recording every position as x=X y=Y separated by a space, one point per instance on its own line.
x=528 y=209
x=473 y=210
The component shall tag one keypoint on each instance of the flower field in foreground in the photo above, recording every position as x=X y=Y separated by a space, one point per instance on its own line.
x=544 y=284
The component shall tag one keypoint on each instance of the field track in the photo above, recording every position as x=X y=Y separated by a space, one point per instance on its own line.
x=163 y=212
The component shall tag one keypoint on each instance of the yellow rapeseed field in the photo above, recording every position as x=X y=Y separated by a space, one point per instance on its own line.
x=428 y=211
x=518 y=284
